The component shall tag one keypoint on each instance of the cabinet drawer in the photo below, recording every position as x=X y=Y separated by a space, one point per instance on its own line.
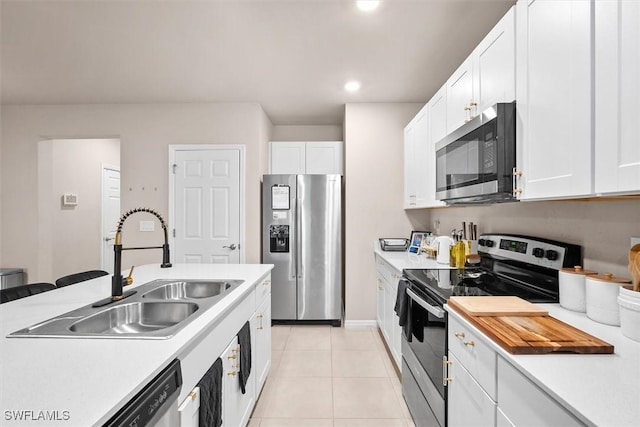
x=476 y=356
x=386 y=271
x=469 y=405
x=263 y=289
x=524 y=404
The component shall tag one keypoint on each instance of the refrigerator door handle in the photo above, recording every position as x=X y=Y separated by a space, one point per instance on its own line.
x=298 y=252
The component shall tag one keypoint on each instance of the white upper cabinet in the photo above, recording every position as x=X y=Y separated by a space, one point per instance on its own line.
x=494 y=62
x=460 y=95
x=437 y=119
x=554 y=98
x=617 y=96
x=410 y=164
x=486 y=77
x=321 y=158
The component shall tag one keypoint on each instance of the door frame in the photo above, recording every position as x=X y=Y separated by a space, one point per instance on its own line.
x=103 y=167
x=241 y=148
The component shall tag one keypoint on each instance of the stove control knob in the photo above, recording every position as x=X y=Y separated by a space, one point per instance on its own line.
x=551 y=255
x=482 y=242
x=538 y=252
x=489 y=243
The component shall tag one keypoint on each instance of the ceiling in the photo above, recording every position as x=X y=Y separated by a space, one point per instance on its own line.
x=291 y=56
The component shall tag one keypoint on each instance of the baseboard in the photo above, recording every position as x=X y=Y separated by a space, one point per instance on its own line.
x=356 y=324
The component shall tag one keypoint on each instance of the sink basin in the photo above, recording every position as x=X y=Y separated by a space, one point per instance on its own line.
x=189 y=289
x=155 y=310
x=135 y=318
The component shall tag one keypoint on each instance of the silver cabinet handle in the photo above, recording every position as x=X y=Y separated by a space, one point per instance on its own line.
x=231 y=246
x=108 y=239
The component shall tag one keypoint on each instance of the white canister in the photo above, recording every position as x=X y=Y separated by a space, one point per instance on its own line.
x=602 y=298
x=572 y=288
x=629 y=301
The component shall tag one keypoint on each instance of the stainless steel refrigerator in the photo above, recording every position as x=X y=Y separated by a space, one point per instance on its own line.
x=302 y=237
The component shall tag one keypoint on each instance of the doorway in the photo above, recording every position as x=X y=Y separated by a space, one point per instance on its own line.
x=110 y=213
x=206 y=203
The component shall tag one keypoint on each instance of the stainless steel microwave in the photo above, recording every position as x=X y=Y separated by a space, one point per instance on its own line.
x=475 y=164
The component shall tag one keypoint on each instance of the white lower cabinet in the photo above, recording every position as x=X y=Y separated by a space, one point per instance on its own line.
x=469 y=404
x=189 y=409
x=236 y=406
x=522 y=403
x=386 y=291
x=261 y=335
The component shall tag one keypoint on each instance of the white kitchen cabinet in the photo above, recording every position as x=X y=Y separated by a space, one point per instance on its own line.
x=387 y=289
x=494 y=65
x=437 y=119
x=554 y=95
x=319 y=158
x=469 y=404
x=410 y=183
x=617 y=96
x=189 y=409
x=460 y=97
x=236 y=406
x=261 y=328
x=522 y=403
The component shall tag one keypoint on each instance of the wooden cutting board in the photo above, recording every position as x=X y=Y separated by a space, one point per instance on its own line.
x=496 y=306
x=537 y=335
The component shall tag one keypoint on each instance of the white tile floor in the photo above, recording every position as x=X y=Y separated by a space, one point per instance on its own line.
x=330 y=377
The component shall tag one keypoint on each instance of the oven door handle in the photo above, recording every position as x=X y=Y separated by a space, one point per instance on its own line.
x=436 y=311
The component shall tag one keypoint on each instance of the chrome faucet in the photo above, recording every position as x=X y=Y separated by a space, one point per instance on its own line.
x=117 y=281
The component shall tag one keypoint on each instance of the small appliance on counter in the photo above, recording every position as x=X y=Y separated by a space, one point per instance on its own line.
x=394 y=244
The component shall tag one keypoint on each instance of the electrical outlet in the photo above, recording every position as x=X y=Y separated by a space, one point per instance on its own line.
x=635 y=241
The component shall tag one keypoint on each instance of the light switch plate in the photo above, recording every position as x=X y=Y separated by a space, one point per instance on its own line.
x=147 y=226
x=635 y=241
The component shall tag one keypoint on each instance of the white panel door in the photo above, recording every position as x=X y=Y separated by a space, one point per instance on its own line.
x=110 y=214
x=323 y=158
x=460 y=96
x=617 y=96
x=207 y=206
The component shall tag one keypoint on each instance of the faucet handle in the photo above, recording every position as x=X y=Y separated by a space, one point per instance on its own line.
x=129 y=279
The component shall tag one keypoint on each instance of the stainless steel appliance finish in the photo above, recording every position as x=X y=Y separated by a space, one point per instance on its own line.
x=476 y=163
x=157 y=310
x=302 y=237
x=510 y=265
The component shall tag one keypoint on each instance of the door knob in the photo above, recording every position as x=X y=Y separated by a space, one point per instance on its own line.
x=108 y=239
x=231 y=246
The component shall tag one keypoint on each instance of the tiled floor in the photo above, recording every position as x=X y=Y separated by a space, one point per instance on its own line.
x=330 y=377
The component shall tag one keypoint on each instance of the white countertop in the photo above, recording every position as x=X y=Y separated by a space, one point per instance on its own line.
x=401 y=260
x=92 y=378
x=600 y=389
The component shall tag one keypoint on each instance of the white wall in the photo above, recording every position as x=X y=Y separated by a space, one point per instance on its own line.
x=373 y=135
x=602 y=228
x=145 y=131
x=307 y=133
x=72 y=166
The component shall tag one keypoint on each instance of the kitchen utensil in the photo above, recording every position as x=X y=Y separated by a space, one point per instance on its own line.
x=634 y=266
x=572 y=288
x=496 y=306
x=443 y=244
x=602 y=298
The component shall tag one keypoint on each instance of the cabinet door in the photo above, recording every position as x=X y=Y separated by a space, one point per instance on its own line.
x=323 y=158
x=494 y=64
x=262 y=348
x=189 y=409
x=421 y=157
x=389 y=315
x=437 y=113
x=380 y=301
x=287 y=158
x=409 y=166
x=554 y=97
x=524 y=404
x=468 y=404
x=236 y=407
x=617 y=96
x=460 y=96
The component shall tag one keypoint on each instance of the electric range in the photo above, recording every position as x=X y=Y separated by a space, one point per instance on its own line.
x=513 y=265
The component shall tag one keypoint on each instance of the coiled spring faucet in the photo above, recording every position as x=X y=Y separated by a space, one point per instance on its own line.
x=117 y=279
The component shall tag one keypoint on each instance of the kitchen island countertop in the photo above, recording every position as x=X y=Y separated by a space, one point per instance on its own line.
x=83 y=382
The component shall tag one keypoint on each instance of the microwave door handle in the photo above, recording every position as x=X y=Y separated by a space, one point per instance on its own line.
x=436 y=311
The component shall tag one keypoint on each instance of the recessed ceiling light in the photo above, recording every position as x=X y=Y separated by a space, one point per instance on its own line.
x=352 y=86
x=367 y=5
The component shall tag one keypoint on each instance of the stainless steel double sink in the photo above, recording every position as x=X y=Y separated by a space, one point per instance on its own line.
x=157 y=310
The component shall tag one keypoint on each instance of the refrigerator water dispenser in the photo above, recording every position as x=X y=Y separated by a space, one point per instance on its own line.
x=279 y=238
